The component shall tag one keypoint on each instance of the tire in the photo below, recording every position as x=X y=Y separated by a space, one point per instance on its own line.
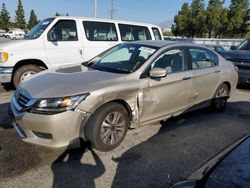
x=107 y=127
x=219 y=101
x=24 y=72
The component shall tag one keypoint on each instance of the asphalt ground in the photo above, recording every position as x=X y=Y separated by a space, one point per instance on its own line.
x=149 y=156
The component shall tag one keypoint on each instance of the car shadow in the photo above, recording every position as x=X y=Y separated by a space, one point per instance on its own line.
x=69 y=169
x=181 y=146
x=4 y=116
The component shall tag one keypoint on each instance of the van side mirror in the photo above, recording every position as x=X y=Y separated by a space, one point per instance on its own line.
x=52 y=36
x=233 y=47
x=157 y=73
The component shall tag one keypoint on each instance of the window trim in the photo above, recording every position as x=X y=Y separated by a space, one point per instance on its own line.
x=204 y=49
x=64 y=40
x=158 y=31
x=142 y=26
x=100 y=22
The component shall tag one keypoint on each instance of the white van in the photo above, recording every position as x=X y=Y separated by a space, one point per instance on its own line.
x=66 y=40
x=13 y=33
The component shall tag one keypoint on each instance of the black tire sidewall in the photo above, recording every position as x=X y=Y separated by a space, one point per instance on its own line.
x=21 y=70
x=92 y=130
x=213 y=101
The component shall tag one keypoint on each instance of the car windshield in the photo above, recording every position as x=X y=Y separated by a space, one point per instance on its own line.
x=233 y=170
x=39 y=29
x=245 y=45
x=124 y=58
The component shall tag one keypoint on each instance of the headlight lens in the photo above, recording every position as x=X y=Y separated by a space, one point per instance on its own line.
x=56 y=105
x=4 y=56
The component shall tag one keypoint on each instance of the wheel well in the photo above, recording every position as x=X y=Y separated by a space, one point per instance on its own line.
x=29 y=62
x=228 y=85
x=126 y=105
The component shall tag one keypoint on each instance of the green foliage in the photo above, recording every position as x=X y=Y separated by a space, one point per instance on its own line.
x=215 y=21
x=19 y=19
x=57 y=14
x=4 y=18
x=33 y=19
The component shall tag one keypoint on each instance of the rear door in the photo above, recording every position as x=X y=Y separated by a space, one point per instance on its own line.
x=67 y=48
x=206 y=73
x=98 y=37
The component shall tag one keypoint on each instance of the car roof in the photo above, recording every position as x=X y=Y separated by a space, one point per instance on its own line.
x=162 y=43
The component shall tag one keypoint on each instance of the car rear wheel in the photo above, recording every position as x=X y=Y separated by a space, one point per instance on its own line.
x=219 y=100
x=25 y=72
x=107 y=127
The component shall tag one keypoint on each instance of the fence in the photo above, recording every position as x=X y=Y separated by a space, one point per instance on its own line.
x=226 y=43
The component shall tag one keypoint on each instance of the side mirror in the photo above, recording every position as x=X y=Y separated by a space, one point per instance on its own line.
x=52 y=36
x=233 y=47
x=157 y=73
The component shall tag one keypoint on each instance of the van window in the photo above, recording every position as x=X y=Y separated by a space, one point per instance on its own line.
x=157 y=33
x=100 y=31
x=65 y=30
x=133 y=32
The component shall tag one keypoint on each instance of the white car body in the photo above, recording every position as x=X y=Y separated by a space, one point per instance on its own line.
x=47 y=54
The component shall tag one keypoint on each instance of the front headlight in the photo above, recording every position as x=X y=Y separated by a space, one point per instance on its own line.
x=4 y=56
x=56 y=105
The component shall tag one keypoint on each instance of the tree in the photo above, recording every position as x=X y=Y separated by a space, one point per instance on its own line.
x=57 y=14
x=19 y=19
x=4 y=18
x=33 y=19
x=182 y=22
x=198 y=21
x=214 y=11
x=238 y=12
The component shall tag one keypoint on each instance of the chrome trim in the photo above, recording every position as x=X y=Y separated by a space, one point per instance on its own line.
x=6 y=70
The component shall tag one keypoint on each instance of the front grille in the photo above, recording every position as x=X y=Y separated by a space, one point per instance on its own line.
x=21 y=99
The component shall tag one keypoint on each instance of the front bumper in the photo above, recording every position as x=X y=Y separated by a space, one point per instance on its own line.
x=53 y=131
x=5 y=74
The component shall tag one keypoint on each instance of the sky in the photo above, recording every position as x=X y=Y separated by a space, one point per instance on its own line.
x=150 y=11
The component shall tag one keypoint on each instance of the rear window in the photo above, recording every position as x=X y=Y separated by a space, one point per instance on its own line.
x=157 y=33
x=100 y=31
x=133 y=32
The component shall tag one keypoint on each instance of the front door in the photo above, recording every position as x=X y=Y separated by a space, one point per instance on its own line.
x=67 y=46
x=168 y=95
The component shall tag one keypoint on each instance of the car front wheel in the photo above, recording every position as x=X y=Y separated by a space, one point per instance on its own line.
x=107 y=127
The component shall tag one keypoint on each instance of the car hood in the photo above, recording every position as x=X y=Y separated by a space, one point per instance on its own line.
x=68 y=81
x=24 y=44
x=236 y=55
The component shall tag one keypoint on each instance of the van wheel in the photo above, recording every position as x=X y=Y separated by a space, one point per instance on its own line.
x=107 y=127
x=24 y=72
x=219 y=100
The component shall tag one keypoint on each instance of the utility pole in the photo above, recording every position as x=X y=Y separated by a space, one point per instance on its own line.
x=95 y=8
x=112 y=9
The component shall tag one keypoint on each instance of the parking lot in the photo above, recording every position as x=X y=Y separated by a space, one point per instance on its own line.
x=146 y=158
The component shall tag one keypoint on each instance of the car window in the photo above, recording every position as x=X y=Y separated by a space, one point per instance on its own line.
x=202 y=58
x=100 y=31
x=124 y=58
x=171 y=60
x=157 y=33
x=65 y=30
x=245 y=45
x=133 y=32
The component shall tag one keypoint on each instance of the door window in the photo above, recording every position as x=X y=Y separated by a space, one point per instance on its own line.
x=65 y=30
x=133 y=32
x=157 y=33
x=100 y=31
x=171 y=60
x=202 y=58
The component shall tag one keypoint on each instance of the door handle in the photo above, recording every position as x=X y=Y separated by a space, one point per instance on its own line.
x=217 y=71
x=80 y=52
x=186 y=78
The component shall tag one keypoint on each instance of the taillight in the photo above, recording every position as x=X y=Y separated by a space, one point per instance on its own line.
x=236 y=69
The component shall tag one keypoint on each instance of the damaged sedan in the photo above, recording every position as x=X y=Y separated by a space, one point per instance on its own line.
x=129 y=85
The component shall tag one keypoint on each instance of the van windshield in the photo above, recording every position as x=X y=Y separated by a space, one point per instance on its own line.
x=124 y=58
x=39 y=29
